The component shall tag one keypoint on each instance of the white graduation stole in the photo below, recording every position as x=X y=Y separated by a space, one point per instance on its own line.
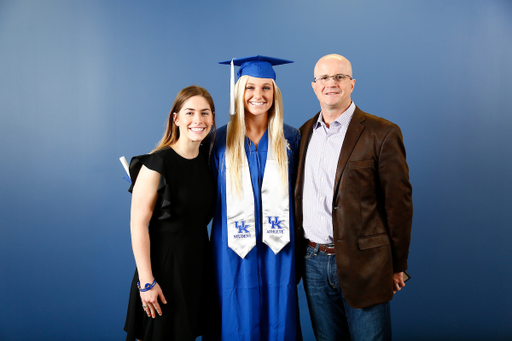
x=240 y=209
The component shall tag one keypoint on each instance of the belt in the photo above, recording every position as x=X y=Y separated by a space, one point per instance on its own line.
x=327 y=248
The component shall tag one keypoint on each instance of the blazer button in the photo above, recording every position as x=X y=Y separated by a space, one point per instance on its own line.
x=336 y=207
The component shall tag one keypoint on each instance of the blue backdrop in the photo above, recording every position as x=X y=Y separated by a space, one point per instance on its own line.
x=85 y=82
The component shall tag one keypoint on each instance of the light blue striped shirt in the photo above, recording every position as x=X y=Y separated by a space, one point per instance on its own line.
x=319 y=175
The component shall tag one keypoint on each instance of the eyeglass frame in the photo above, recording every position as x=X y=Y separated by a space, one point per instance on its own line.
x=334 y=78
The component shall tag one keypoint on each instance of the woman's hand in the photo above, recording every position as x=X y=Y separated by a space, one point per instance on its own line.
x=150 y=301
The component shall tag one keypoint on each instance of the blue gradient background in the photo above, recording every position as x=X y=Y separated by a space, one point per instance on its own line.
x=85 y=82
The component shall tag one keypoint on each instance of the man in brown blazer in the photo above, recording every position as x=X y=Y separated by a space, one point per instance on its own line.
x=353 y=211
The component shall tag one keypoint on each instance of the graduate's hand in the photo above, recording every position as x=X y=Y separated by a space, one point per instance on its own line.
x=398 y=282
x=150 y=301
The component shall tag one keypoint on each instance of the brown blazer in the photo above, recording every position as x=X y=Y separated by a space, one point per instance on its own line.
x=372 y=208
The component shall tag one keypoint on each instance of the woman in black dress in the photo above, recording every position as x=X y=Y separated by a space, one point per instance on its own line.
x=173 y=199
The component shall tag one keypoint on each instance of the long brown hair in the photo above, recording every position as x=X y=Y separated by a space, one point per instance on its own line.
x=172 y=133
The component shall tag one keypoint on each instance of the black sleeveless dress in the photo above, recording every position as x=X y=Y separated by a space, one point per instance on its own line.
x=180 y=250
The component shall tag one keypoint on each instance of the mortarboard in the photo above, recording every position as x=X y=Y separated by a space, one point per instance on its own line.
x=255 y=66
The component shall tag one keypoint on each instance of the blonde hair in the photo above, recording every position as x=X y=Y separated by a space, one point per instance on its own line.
x=236 y=131
x=172 y=133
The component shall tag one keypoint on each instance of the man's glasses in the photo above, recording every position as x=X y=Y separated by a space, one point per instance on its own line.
x=336 y=78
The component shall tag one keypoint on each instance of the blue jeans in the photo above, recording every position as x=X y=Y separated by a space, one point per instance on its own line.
x=331 y=316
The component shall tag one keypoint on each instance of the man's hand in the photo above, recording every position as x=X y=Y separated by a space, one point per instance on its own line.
x=398 y=282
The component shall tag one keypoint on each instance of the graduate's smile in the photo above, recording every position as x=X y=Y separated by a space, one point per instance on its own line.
x=259 y=95
x=257 y=104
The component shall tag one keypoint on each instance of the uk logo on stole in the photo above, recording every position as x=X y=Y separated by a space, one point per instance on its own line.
x=242 y=230
x=275 y=227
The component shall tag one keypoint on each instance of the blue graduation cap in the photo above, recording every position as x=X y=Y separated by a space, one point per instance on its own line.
x=255 y=66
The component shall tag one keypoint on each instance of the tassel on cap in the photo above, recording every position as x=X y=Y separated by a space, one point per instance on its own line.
x=232 y=90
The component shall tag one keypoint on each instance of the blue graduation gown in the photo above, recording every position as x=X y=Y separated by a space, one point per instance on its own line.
x=257 y=294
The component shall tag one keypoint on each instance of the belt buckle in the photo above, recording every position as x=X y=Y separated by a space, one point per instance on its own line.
x=328 y=246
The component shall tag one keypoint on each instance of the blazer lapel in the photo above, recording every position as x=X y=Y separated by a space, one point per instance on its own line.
x=355 y=128
x=306 y=132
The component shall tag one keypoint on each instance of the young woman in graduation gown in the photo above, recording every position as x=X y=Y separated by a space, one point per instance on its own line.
x=252 y=234
x=173 y=199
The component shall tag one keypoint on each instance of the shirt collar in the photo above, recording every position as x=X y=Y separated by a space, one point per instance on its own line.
x=343 y=119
